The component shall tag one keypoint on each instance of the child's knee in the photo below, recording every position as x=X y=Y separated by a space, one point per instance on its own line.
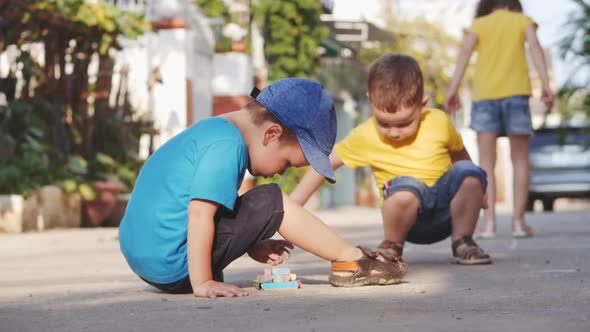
x=257 y=215
x=469 y=175
x=402 y=200
x=264 y=197
x=472 y=184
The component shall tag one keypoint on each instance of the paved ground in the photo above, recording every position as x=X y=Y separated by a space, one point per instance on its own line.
x=77 y=280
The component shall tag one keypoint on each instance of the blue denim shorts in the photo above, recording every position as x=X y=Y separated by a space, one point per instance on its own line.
x=433 y=223
x=505 y=116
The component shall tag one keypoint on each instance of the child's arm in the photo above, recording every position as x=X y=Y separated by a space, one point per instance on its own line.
x=311 y=181
x=200 y=235
x=452 y=104
x=539 y=62
x=459 y=155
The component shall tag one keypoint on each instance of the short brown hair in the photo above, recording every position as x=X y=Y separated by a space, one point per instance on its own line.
x=259 y=114
x=486 y=7
x=395 y=80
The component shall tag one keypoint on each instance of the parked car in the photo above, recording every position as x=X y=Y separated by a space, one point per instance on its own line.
x=560 y=165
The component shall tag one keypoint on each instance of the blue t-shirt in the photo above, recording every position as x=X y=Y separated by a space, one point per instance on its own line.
x=206 y=161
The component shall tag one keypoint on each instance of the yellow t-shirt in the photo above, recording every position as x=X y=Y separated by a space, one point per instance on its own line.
x=502 y=69
x=425 y=157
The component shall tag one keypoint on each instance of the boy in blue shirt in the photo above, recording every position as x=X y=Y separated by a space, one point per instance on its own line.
x=185 y=222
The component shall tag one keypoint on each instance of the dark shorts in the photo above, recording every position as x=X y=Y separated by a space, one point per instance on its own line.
x=257 y=216
x=504 y=116
x=433 y=223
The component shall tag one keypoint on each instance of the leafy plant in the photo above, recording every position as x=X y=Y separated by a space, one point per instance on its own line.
x=287 y=181
x=74 y=178
x=429 y=44
x=25 y=174
x=573 y=98
x=575 y=48
x=292 y=32
x=24 y=158
x=92 y=16
x=349 y=76
x=214 y=8
x=79 y=174
x=50 y=134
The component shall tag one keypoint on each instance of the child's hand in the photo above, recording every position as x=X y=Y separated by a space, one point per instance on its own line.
x=453 y=103
x=272 y=252
x=214 y=289
x=484 y=201
x=547 y=97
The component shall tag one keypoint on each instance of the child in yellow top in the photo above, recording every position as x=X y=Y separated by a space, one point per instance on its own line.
x=501 y=90
x=430 y=187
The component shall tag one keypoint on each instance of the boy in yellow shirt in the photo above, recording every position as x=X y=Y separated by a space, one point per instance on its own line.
x=430 y=188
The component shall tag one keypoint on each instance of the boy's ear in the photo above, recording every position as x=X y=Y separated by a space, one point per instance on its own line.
x=272 y=132
x=425 y=100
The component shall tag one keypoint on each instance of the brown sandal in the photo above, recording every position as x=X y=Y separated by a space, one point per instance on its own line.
x=472 y=254
x=391 y=251
x=367 y=271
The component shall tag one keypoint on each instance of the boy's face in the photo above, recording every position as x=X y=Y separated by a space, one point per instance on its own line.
x=401 y=124
x=273 y=154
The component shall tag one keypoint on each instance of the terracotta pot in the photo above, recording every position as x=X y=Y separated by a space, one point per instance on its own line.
x=95 y=212
x=238 y=46
x=219 y=48
x=114 y=220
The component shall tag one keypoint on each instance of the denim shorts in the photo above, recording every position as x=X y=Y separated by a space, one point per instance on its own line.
x=504 y=116
x=433 y=223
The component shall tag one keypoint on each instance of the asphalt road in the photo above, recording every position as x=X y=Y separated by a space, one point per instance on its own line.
x=77 y=280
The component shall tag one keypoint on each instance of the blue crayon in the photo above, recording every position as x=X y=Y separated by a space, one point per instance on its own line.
x=281 y=271
x=281 y=285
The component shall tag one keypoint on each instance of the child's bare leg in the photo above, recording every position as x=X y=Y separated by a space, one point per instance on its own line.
x=351 y=266
x=519 y=153
x=465 y=208
x=306 y=231
x=486 y=143
x=399 y=215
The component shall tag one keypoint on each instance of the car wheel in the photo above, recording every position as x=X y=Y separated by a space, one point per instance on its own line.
x=548 y=204
x=530 y=204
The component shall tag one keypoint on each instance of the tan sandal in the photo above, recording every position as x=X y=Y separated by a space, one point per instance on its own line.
x=368 y=270
x=472 y=254
x=391 y=251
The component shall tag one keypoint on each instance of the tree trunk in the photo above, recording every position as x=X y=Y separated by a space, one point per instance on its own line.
x=102 y=110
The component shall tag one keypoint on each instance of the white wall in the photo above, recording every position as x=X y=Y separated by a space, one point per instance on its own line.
x=180 y=55
x=233 y=74
x=168 y=51
x=199 y=63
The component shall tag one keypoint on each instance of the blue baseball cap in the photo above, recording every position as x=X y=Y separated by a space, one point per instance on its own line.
x=305 y=108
